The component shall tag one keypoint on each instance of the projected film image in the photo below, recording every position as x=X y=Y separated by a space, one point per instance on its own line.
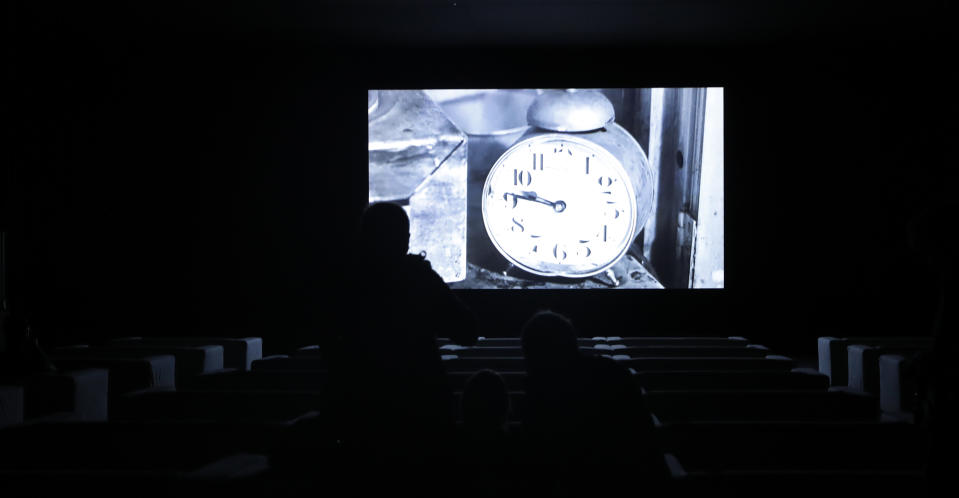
x=612 y=188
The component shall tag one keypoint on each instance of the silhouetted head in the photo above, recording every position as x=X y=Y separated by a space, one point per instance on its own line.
x=549 y=340
x=385 y=230
x=485 y=402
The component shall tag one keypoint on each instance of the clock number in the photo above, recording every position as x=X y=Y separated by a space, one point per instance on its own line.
x=606 y=181
x=559 y=253
x=522 y=177
x=580 y=250
x=540 y=165
x=518 y=225
x=583 y=251
x=601 y=234
x=587 y=165
x=614 y=214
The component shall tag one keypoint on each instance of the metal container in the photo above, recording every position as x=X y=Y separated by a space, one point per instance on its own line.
x=418 y=159
x=492 y=120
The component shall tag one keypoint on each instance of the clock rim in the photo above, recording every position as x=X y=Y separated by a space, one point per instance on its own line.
x=545 y=138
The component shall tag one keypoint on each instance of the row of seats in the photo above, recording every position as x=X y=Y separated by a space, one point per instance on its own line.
x=810 y=440
x=728 y=415
x=118 y=418
x=722 y=407
x=270 y=376
x=77 y=395
x=647 y=351
x=876 y=366
x=617 y=340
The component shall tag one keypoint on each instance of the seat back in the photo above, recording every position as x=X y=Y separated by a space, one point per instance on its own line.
x=778 y=405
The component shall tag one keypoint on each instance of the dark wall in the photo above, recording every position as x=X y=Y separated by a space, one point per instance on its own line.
x=176 y=169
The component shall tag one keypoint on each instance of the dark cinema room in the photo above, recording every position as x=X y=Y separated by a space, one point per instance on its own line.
x=529 y=299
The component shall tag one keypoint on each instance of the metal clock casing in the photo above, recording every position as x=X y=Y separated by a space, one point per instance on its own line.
x=618 y=154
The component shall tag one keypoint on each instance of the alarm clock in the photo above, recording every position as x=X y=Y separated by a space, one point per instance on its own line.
x=568 y=198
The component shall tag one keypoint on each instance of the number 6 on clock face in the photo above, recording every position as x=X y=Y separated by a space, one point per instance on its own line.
x=560 y=205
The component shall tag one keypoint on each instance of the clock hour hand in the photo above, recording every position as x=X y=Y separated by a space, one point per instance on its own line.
x=558 y=206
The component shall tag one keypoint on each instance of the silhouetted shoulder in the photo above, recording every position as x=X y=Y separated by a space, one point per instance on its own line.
x=457 y=321
x=419 y=267
x=419 y=261
x=615 y=387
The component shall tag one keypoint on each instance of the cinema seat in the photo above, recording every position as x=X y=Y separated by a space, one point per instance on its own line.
x=485 y=341
x=472 y=364
x=127 y=374
x=626 y=341
x=797 y=378
x=125 y=445
x=85 y=390
x=258 y=380
x=823 y=445
x=238 y=352
x=680 y=341
x=190 y=360
x=680 y=351
x=101 y=445
x=483 y=351
x=234 y=475
x=11 y=405
x=288 y=363
x=863 y=363
x=793 y=483
x=617 y=349
x=237 y=475
x=217 y=406
x=467 y=363
x=311 y=350
x=774 y=405
x=108 y=483
x=897 y=387
x=833 y=354
x=769 y=363
x=515 y=381
x=79 y=395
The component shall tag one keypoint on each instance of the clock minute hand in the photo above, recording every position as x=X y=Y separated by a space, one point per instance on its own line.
x=558 y=206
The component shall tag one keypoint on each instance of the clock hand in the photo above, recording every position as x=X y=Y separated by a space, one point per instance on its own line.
x=558 y=206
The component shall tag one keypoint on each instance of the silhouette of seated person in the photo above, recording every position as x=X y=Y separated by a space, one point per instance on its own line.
x=485 y=407
x=582 y=410
x=389 y=358
x=486 y=447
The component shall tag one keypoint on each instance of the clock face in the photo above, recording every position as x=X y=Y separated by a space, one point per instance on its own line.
x=559 y=205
